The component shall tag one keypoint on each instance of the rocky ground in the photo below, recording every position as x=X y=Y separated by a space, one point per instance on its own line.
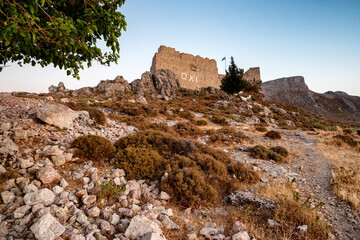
x=49 y=193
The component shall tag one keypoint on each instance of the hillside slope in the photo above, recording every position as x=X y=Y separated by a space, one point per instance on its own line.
x=338 y=106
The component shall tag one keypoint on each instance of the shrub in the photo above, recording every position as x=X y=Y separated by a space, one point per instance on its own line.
x=161 y=127
x=347 y=139
x=200 y=122
x=141 y=163
x=187 y=129
x=93 y=147
x=197 y=172
x=348 y=131
x=186 y=114
x=243 y=173
x=97 y=115
x=9 y=174
x=259 y=151
x=219 y=120
x=94 y=112
x=136 y=121
x=189 y=188
x=280 y=150
x=227 y=135
x=261 y=129
x=273 y=135
x=293 y=213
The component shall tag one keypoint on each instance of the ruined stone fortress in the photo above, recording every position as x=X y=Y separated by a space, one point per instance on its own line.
x=194 y=71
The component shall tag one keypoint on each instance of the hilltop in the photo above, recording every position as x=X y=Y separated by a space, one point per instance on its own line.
x=337 y=106
x=152 y=160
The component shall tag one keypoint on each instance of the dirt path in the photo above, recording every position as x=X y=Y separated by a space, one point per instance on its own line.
x=315 y=177
x=313 y=174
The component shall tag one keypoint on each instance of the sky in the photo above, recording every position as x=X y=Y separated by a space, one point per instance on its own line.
x=317 y=39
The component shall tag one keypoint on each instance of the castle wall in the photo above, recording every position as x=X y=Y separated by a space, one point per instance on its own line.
x=192 y=71
x=253 y=75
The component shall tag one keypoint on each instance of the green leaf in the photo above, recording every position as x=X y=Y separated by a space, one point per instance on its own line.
x=65 y=28
x=68 y=72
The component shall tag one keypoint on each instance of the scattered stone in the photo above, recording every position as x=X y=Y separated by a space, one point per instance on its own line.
x=47 y=175
x=246 y=197
x=140 y=226
x=302 y=228
x=238 y=226
x=153 y=236
x=192 y=236
x=43 y=196
x=7 y=197
x=243 y=235
x=271 y=223
x=47 y=228
x=88 y=199
x=280 y=111
x=21 y=211
x=58 y=160
x=164 y=196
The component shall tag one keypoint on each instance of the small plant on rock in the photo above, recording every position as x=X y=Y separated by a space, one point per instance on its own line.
x=110 y=190
x=93 y=147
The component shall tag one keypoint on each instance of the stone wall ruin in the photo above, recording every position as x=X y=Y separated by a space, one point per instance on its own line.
x=194 y=72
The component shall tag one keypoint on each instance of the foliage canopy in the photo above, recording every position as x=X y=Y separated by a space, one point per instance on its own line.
x=61 y=32
x=233 y=82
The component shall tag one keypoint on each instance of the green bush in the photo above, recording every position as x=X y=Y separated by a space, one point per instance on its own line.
x=273 y=135
x=141 y=163
x=93 y=147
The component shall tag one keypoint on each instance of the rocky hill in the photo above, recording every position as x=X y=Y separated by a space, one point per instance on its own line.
x=150 y=161
x=337 y=106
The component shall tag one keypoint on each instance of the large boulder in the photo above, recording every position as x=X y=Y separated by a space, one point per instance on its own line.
x=166 y=83
x=57 y=115
x=111 y=88
x=161 y=82
x=47 y=228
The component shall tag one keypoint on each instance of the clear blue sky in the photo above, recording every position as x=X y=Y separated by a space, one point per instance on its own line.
x=317 y=39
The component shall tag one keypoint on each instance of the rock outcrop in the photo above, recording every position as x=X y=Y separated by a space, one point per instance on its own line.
x=162 y=82
x=337 y=106
x=291 y=90
x=112 y=88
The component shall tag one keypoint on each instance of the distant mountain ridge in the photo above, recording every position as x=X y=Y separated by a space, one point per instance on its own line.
x=337 y=106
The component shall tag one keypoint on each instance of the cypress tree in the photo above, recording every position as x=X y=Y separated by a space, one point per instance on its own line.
x=233 y=82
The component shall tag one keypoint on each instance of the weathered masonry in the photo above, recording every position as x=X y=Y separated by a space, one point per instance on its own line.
x=193 y=71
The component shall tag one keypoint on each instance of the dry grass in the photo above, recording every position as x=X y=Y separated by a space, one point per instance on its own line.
x=345 y=161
